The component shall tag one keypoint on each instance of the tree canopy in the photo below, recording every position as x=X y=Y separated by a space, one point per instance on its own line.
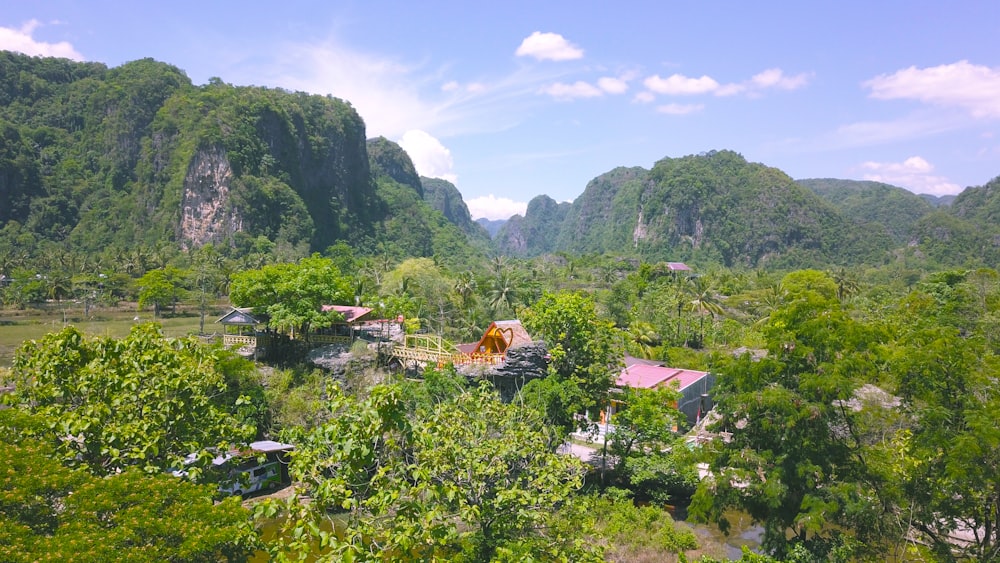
x=585 y=355
x=468 y=479
x=292 y=295
x=49 y=512
x=143 y=401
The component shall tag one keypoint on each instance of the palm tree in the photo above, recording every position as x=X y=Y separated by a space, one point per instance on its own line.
x=503 y=294
x=645 y=338
x=465 y=286
x=773 y=297
x=846 y=284
x=58 y=285
x=703 y=300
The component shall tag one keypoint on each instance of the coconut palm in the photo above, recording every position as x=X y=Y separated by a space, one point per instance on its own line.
x=465 y=286
x=702 y=299
x=644 y=339
x=503 y=294
x=847 y=285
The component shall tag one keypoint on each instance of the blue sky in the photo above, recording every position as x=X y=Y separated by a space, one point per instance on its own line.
x=513 y=99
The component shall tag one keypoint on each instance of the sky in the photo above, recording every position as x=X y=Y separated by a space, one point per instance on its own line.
x=510 y=100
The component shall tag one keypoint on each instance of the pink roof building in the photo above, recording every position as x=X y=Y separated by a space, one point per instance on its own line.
x=693 y=385
x=351 y=314
x=645 y=376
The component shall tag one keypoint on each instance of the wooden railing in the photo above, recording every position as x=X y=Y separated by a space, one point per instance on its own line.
x=434 y=349
x=238 y=340
x=479 y=359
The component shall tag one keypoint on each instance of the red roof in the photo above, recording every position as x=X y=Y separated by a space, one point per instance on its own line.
x=645 y=376
x=351 y=314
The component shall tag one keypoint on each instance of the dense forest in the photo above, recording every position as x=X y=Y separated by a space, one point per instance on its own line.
x=852 y=330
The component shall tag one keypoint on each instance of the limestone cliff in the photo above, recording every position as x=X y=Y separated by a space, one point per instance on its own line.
x=207 y=215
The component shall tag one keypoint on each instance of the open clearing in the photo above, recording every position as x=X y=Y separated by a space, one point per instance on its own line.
x=32 y=323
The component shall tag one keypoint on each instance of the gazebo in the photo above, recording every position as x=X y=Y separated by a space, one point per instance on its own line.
x=239 y=327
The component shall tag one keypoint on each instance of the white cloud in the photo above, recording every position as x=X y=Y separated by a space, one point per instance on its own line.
x=731 y=89
x=548 y=47
x=770 y=79
x=644 y=97
x=578 y=89
x=679 y=109
x=680 y=85
x=21 y=40
x=868 y=133
x=975 y=88
x=492 y=207
x=775 y=78
x=613 y=85
x=394 y=95
x=429 y=156
x=471 y=88
x=914 y=174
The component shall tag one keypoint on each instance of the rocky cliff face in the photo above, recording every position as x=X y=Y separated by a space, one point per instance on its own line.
x=207 y=215
x=389 y=159
x=535 y=233
x=608 y=215
x=443 y=196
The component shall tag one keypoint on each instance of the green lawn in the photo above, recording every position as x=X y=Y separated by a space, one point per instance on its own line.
x=16 y=326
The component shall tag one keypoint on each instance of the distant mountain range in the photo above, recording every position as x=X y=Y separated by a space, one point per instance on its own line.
x=96 y=160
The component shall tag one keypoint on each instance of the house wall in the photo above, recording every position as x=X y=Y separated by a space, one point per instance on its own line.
x=691 y=399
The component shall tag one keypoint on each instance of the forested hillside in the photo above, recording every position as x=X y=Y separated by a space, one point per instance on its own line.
x=873 y=205
x=100 y=159
x=412 y=227
x=714 y=207
x=443 y=196
x=535 y=233
x=104 y=162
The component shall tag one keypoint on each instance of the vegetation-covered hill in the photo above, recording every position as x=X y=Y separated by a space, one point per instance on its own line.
x=599 y=220
x=535 y=233
x=980 y=204
x=101 y=161
x=443 y=196
x=412 y=227
x=492 y=226
x=97 y=158
x=873 y=205
x=713 y=207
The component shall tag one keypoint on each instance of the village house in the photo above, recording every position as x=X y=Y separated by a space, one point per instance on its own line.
x=693 y=385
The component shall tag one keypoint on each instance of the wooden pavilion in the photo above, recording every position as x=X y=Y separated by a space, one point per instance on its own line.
x=239 y=327
x=341 y=332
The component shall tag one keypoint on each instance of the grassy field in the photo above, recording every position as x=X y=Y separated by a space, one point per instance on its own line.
x=17 y=326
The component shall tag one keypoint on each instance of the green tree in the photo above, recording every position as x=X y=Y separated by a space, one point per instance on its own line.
x=794 y=462
x=49 y=512
x=586 y=355
x=470 y=479
x=160 y=288
x=703 y=300
x=643 y=425
x=144 y=401
x=950 y=473
x=425 y=289
x=292 y=295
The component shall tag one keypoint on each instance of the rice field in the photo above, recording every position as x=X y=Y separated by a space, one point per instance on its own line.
x=32 y=323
